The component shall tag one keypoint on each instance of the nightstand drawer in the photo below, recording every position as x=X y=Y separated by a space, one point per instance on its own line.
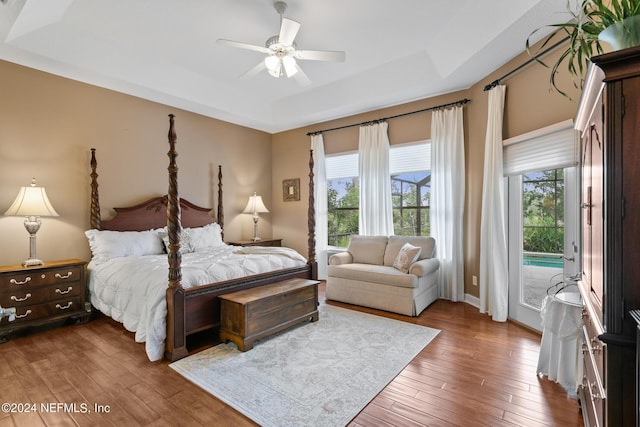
x=45 y=311
x=68 y=305
x=29 y=296
x=39 y=277
x=66 y=290
x=27 y=314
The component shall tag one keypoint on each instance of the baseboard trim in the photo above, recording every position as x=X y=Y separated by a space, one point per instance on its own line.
x=472 y=300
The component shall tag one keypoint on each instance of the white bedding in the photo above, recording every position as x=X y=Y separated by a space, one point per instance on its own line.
x=132 y=289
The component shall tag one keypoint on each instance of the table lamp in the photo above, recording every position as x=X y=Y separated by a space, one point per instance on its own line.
x=255 y=206
x=32 y=202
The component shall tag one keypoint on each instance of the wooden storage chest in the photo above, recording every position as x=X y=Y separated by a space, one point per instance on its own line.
x=251 y=314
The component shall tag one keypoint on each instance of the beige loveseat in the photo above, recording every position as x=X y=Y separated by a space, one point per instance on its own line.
x=365 y=274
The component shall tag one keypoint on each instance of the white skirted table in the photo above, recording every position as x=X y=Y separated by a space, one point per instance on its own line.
x=560 y=356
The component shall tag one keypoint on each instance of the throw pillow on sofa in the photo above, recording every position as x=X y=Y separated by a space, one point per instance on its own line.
x=408 y=255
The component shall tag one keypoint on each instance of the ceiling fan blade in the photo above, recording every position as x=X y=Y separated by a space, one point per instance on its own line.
x=242 y=45
x=301 y=77
x=288 y=31
x=320 y=55
x=254 y=71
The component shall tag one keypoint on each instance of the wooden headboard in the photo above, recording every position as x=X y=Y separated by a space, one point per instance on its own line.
x=153 y=214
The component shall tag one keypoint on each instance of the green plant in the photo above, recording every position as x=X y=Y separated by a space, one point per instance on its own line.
x=588 y=21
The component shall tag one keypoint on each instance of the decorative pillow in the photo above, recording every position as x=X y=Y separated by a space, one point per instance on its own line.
x=185 y=242
x=107 y=244
x=205 y=237
x=408 y=255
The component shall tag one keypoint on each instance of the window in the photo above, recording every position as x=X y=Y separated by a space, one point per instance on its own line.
x=411 y=194
x=543 y=211
x=410 y=190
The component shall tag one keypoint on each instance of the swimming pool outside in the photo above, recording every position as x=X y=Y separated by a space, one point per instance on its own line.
x=540 y=259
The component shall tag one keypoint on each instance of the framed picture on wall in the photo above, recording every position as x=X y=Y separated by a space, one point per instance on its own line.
x=291 y=190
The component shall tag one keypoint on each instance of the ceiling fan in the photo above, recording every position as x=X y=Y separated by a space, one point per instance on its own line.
x=282 y=53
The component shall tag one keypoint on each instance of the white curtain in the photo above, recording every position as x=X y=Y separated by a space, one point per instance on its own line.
x=376 y=212
x=447 y=198
x=494 y=284
x=320 y=203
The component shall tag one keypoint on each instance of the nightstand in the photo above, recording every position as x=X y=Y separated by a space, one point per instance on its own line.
x=43 y=294
x=262 y=242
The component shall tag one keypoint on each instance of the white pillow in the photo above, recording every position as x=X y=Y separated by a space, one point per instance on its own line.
x=408 y=255
x=205 y=237
x=107 y=244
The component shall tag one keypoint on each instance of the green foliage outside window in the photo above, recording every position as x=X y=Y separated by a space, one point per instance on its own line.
x=543 y=211
x=410 y=198
x=342 y=216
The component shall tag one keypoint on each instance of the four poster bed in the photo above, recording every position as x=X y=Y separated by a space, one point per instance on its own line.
x=128 y=276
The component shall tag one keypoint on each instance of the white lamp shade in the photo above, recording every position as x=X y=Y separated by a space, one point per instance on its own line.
x=31 y=201
x=290 y=67
x=255 y=205
x=274 y=65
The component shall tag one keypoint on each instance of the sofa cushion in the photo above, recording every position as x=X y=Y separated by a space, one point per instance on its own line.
x=367 y=249
x=395 y=243
x=408 y=255
x=373 y=274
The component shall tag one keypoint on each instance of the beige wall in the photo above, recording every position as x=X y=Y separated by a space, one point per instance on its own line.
x=529 y=105
x=49 y=125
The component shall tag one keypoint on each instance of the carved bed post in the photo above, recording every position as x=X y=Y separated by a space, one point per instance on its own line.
x=95 y=199
x=176 y=346
x=220 y=213
x=311 y=221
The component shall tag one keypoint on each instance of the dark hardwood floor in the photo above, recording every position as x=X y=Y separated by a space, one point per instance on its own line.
x=475 y=372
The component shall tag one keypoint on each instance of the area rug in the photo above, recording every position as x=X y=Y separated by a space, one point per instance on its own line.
x=314 y=374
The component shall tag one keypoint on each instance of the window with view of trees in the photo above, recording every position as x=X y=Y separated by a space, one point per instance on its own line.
x=543 y=211
x=410 y=192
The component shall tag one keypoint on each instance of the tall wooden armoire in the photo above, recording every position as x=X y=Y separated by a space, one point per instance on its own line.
x=609 y=119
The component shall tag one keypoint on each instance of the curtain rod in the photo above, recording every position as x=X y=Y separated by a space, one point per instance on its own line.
x=384 y=119
x=521 y=66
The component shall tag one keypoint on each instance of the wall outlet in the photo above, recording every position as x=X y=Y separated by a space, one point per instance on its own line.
x=474 y=280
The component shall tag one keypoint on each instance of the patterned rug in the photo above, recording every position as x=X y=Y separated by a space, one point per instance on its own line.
x=314 y=374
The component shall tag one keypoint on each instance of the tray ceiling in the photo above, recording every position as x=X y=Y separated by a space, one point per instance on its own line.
x=165 y=51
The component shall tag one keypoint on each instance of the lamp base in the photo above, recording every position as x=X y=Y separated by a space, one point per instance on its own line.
x=32 y=262
x=255 y=228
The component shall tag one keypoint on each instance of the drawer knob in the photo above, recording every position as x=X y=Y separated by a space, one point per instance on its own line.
x=24 y=282
x=16 y=299
x=61 y=292
x=22 y=316
x=64 y=307
x=66 y=276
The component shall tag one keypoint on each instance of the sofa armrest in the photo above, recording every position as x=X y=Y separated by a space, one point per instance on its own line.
x=341 y=258
x=424 y=267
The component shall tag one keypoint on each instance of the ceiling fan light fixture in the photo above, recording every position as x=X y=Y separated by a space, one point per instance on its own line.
x=282 y=53
x=273 y=64
x=290 y=67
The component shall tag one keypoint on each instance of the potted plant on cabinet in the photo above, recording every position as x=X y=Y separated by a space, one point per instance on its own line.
x=616 y=22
